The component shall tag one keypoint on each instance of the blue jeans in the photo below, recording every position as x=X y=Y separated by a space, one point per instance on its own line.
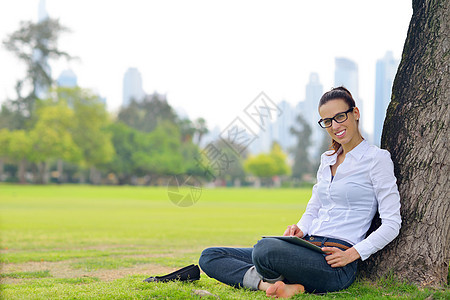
x=272 y=260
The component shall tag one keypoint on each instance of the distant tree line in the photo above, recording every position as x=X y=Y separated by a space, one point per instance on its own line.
x=67 y=135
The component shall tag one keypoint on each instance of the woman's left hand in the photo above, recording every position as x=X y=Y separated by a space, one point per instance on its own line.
x=338 y=258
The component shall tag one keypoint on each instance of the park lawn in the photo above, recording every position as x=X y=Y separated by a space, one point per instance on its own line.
x=85 y=242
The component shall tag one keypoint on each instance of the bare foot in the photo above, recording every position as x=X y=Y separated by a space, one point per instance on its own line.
x=281 y=290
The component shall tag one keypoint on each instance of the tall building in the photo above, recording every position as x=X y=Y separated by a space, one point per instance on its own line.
x=282 y=126
x=346 y=74
x=309 y=111
x=314 y=91
x=386 y=68
x=132 y=86
x=42 y=11
x=265 y=138
x=67 y=78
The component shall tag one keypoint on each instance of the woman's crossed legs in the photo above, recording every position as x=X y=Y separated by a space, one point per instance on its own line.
x=273 y=261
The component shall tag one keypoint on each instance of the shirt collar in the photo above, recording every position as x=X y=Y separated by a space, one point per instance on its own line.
x=331 y=159
x=356 y=152
x=359 y=150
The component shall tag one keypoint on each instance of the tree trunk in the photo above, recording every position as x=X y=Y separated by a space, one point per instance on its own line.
x=60 y=169
x=1 y=169
x=416 y=134
x=82 y=177
x=94 y=176
x=257 y=183
x=46 y=174
x=43 y=175
x=21 y=171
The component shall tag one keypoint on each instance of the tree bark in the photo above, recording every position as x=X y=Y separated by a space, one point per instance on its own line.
x=416 y=134
x=43 y=174
x=21 y=171
x=82 y=177
x=94 y=176
x=1 y=169
x=60 y=169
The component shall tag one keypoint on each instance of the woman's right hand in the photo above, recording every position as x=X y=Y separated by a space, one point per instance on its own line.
x=293 y=230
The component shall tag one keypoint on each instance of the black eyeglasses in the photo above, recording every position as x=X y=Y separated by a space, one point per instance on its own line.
x=338 y=118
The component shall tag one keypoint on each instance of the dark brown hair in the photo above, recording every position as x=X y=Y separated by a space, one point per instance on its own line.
x=339 y=92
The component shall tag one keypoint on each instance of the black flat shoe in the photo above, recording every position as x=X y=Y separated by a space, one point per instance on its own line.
x=189 y=273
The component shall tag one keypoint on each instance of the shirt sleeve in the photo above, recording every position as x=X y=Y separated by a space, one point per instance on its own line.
x=312 y=208
x=388 y=199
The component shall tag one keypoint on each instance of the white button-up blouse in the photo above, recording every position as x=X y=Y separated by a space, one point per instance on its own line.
x=343 y=208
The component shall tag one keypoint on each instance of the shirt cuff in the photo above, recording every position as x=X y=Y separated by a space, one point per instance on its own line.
x=365 y=249
x=303 y=229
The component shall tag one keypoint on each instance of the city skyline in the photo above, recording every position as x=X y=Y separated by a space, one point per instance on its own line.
x=213 y=61
x=385 y=73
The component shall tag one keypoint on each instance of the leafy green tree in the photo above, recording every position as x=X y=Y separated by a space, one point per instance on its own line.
x=280 y=159
x=89 y=127
x=51 y=138
x=187 y=129
x=33 y=44
x=190 y=152
x=124 y=139
x=20 y=148
x=302 y=162
x=138 y=153
x=326 y=143
x=218 y=161
x=231 y=164
x=162 y=151
x=201 y=129
x=261 y=165
x=145 y=115
x=266 y=166
x=10 y=117
x=5 y=137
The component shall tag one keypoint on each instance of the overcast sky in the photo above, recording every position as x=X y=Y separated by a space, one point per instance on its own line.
x=214 y=57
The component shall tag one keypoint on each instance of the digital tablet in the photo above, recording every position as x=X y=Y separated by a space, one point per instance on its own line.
x=298 y=241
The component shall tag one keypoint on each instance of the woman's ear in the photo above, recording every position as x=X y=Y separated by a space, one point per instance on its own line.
x=356 y=113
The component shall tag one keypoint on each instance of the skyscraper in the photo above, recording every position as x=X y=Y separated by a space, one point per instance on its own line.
x=67 y=78
x=385 y=72
x=314 y=91
x=264 y=139
x=132 y=86
x=42 y=11
x=283 y=124
x=310 y=113
x=346 y=74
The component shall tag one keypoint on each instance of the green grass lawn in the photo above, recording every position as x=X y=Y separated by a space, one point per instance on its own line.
x=83 y=242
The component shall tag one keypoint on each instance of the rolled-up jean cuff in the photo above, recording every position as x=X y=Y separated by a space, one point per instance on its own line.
x=279 y=278
x=252 y=279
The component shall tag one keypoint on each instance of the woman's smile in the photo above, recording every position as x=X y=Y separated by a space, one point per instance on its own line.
x=340 y=134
